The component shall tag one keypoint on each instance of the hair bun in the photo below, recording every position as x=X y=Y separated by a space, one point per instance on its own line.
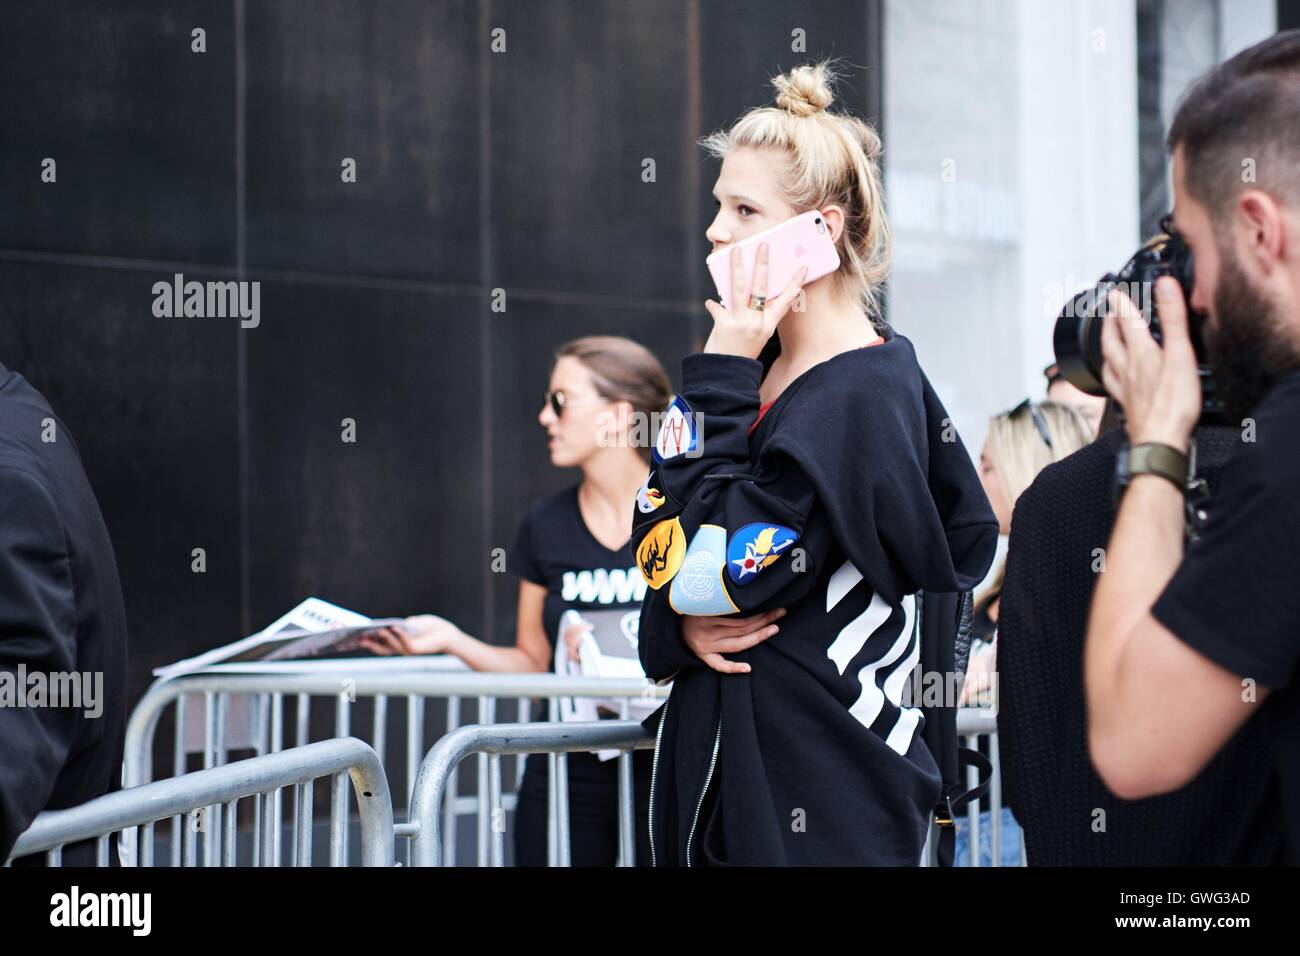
x=805 y=90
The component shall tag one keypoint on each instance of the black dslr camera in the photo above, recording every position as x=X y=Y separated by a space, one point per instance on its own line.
x=1077 y=336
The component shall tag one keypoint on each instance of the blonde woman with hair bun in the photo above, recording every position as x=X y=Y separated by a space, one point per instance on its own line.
x=809 y=158
x=806 y=474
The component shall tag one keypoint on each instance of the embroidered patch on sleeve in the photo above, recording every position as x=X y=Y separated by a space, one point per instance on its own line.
x=677 y=432
x=650 y=497
x=661 y=551
x=754 y=547
x=699 y=588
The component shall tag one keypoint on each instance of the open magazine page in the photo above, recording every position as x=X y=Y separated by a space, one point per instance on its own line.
x=313 y=629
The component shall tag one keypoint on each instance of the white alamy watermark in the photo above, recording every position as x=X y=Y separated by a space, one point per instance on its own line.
x=78 y=690
x=672 y=432
x=212 y=300
x=1093 y=299
x=945 y=689
x=74 y=908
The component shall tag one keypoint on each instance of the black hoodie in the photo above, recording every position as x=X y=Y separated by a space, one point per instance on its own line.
x=852 y=493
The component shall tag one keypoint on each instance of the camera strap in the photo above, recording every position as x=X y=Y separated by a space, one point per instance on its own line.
x=1197 y=498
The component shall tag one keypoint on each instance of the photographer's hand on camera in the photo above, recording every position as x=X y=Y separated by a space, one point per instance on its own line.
x=1157 y=386
x=1140 y=676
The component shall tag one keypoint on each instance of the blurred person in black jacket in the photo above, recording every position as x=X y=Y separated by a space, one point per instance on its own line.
x=62 y=625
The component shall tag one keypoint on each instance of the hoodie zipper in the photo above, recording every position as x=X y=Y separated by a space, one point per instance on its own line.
x=654 y=773
x=690 y=839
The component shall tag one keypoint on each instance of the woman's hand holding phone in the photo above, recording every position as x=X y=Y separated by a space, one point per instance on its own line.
x=741 y=330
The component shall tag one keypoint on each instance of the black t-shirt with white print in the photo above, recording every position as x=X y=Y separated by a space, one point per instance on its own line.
x=556 y=549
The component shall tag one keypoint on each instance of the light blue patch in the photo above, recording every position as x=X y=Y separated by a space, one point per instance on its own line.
x=698 y=588
x=754 y=547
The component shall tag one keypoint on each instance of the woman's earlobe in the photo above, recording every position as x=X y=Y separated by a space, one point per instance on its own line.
x=834 y=218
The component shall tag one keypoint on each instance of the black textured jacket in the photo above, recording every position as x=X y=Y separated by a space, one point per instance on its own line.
x=61 y=612
x=1227 y=815
x=852 y=493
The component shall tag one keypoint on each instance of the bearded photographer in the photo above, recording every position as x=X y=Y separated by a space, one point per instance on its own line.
x=1186 y=641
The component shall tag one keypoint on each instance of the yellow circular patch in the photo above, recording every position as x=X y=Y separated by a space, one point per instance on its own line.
x=661 y=552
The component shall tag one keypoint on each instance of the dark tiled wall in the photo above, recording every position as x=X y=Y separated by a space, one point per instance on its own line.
x=1288 y=14
x=475 y=171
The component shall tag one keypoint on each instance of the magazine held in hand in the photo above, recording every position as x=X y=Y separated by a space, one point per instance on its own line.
x=314 y=629
x=607 y=649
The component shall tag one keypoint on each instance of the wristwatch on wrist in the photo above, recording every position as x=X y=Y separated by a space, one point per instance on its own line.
x=1151 y=458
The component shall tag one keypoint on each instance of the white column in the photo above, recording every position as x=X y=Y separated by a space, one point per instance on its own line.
x=1243 y=23
x=1011 y=175
x=1078 y=160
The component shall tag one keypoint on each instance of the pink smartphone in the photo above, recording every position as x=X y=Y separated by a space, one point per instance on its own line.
x=804 y=240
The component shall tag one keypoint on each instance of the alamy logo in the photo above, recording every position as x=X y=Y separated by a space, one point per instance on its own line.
x=78 y=690
x=75 y=908
x=221 y=300
x=615 y=586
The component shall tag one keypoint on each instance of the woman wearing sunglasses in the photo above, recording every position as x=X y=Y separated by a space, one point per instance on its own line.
x=571 y=552
x=1020 y=444
x=808 y=472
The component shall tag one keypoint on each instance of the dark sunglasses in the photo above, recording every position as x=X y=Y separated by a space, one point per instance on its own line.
x=559 y=401
x=1039 y=422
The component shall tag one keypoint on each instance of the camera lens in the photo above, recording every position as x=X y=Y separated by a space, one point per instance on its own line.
x=1077 y=341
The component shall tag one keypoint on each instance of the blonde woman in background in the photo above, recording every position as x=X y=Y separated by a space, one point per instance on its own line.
x=1020 y=444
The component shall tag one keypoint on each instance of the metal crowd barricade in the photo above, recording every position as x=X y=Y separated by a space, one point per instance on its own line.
x=221 y=689
x=426 y=830
x=191 y=796
x=267 y=688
